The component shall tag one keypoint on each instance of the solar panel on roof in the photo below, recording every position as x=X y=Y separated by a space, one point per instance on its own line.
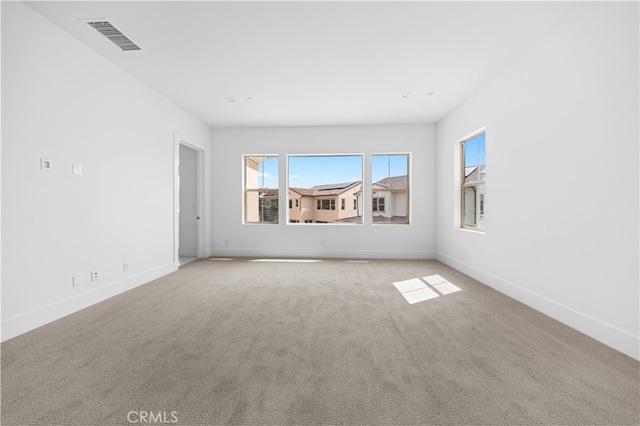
x=334 y=186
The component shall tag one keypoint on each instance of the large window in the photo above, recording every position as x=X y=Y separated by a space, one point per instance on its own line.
x=390 y=188
x=261 y=189
x=473 y=189
x=326 y=188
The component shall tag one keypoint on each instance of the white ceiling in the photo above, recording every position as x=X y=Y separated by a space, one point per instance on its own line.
x=314 y=63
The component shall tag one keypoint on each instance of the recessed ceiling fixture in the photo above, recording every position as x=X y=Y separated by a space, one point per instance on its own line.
x=405 y=94
x=430 y=94
x=105 y=28
x=249 y=99
x=231 y=100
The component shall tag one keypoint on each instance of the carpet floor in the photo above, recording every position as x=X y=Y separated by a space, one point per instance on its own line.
x=329 y=342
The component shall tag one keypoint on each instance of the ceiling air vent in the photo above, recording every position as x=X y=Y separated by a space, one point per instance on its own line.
x=105 y=28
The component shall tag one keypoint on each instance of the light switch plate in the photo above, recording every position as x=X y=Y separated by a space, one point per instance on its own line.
x=78 y=280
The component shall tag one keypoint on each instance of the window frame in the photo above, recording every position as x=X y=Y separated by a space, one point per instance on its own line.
x=334 y=204
x=330 y=202
x=246 y=191
x=480 y=202
x=375 y=204
x=389 y=203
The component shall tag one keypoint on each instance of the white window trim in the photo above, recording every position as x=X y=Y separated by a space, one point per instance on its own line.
x=244 y=189
x=459 y=179
x=363 y=157
x=410 y=188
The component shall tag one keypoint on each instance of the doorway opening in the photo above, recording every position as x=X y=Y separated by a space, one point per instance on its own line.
x=188 y=203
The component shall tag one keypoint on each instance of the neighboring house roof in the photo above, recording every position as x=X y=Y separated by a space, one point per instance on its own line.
x=302 y=191
x=394 y=182
x=475 y=173
x=330 y=189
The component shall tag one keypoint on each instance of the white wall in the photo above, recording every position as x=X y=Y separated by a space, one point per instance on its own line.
x=562 y=182
x=416 y=240
x=62 y=101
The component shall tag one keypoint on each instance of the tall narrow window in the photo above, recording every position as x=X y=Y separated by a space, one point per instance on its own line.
x=260 y=189
x=327 y=186
x=390 y=188
x=473 y=190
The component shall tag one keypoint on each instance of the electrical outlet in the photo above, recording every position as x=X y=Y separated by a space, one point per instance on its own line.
x=95 y=275
x=126 y=266
x=45 y=164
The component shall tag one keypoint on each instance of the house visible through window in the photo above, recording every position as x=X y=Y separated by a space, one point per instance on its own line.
x=326 y=204
x=260 y=189
x=378 y=205
x=473 y=188
x=390 y=188
x=323 y=187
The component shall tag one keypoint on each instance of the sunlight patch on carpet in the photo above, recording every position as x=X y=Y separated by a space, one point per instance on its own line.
x=415 y=290
x=420 y=295
x=446 y=288
x=434 y=279
x=409 y=285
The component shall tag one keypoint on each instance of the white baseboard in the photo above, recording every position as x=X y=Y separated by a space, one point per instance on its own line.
x=338 y=254
x=31 y=320
x=611 y=336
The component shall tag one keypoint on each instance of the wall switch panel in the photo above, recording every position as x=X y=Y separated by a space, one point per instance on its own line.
x=78 y=280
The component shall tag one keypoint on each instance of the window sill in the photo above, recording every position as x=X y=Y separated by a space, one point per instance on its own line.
x=473 y=231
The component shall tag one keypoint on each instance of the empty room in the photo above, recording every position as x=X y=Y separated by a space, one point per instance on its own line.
x=310 y=212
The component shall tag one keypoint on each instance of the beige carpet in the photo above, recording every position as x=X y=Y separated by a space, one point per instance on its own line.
x=332 y=342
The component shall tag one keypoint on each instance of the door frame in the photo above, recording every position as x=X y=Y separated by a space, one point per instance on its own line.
x=200 y=197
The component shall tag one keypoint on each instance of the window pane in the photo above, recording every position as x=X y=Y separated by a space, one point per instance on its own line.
x=261 y=189
x=322 y=180
x=473 y=153
x=474 y=159
x=390 y=188
x=474 y=206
